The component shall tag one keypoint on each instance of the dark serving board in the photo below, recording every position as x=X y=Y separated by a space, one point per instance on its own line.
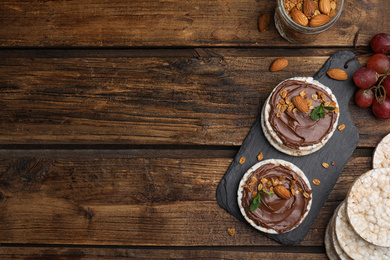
x=338 y=149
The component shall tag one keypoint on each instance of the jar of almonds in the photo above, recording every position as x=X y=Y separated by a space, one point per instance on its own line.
x=300 y=21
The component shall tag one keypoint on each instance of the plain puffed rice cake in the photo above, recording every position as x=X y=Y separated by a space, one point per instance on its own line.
x=381 y=157
x=340 y=252
x=352 y=244
x=368 y=206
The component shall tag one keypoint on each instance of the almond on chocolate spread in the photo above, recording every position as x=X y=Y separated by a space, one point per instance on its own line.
x=280 y=212
x=304 y=120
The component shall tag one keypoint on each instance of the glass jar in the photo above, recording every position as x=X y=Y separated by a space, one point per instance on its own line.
x=296 y=33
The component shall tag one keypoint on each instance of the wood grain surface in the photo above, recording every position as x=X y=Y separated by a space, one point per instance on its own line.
x=161 y=23
x=102 y=98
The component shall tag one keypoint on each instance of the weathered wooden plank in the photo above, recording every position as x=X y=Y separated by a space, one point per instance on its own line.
x=98 y=97
x=55 y=253
x=168 y=23
x=133 y=201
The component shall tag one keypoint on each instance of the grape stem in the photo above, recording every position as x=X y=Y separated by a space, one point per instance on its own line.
x=379 y=90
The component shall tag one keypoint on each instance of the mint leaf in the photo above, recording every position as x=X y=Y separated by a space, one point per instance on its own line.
x=329 y=108
x=257 y=200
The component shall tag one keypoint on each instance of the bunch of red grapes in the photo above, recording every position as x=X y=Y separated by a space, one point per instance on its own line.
x=374 y=79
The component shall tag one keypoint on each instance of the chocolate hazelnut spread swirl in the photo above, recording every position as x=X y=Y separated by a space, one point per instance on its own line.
x=298 y=129
x=274 y=212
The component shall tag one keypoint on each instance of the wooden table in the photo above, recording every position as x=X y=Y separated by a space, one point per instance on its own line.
x=119 y=119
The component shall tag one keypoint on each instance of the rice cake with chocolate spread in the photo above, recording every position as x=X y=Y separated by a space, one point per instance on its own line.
x=292 y=131
x=275 y=214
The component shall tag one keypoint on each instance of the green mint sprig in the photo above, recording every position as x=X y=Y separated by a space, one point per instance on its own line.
x=319 y=112
x=257 y=200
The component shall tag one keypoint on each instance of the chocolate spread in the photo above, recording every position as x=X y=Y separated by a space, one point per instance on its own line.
x=274 y=212
x=298 y=129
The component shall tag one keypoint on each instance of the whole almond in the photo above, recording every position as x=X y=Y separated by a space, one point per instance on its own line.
x=318 y=20
x=324 y=6
x=279 y=64
x=263 y=22
x=300 y=103
x=309 y=7
x=299 y=17
x=282 y=192
x=337 y=74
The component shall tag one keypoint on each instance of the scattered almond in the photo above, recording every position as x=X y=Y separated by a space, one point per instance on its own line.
x=325 y=165
x=260 y=156
x=299 y=17
x=300 y=104
x=319 y=20
x=231 y=231
x=337 y=74
x=341 y=127
x=324 y=6
x=279 y=64
x=309 y=7
x=263 y=22
x=316 y=182
x=282 y=192
x=333 y=163
x=242 y=160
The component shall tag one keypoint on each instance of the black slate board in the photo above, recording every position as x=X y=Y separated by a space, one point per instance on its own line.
x=338 y=149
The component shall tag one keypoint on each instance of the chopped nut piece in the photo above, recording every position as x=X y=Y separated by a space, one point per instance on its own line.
x=325 y=165
x=300 y=189
x=336 y=110
x=264 y=180
x=341 y=127
x=306 y=195
x=333 y=104
x=269 y=184
x=303 y=93
x=271 y=190
x=282 y=178
x=231 y=231
x=260 y=186
x=292 y=192
x=282 y=102
x=250 y=188
x=284 y=107
x=296 y=192
x=287 y=100
x=278 y=106
x=314 y=97
x=260 y=156
x=332 y=163
x=265 y=189
x=294 y=110
x=311 y=107
x=254 y=194
x=290 y=108
x=254 y=179
x=279 y=114
x=283 y=93
x=242 y=160
x=293 y=176
x=244 y=185
x=316 y=182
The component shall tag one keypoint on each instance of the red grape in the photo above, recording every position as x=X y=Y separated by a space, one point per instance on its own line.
x=380 y=43
x=379 y=62
x=365 y=77
x=386 y=85
x=364 y=97
x=381 y=111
